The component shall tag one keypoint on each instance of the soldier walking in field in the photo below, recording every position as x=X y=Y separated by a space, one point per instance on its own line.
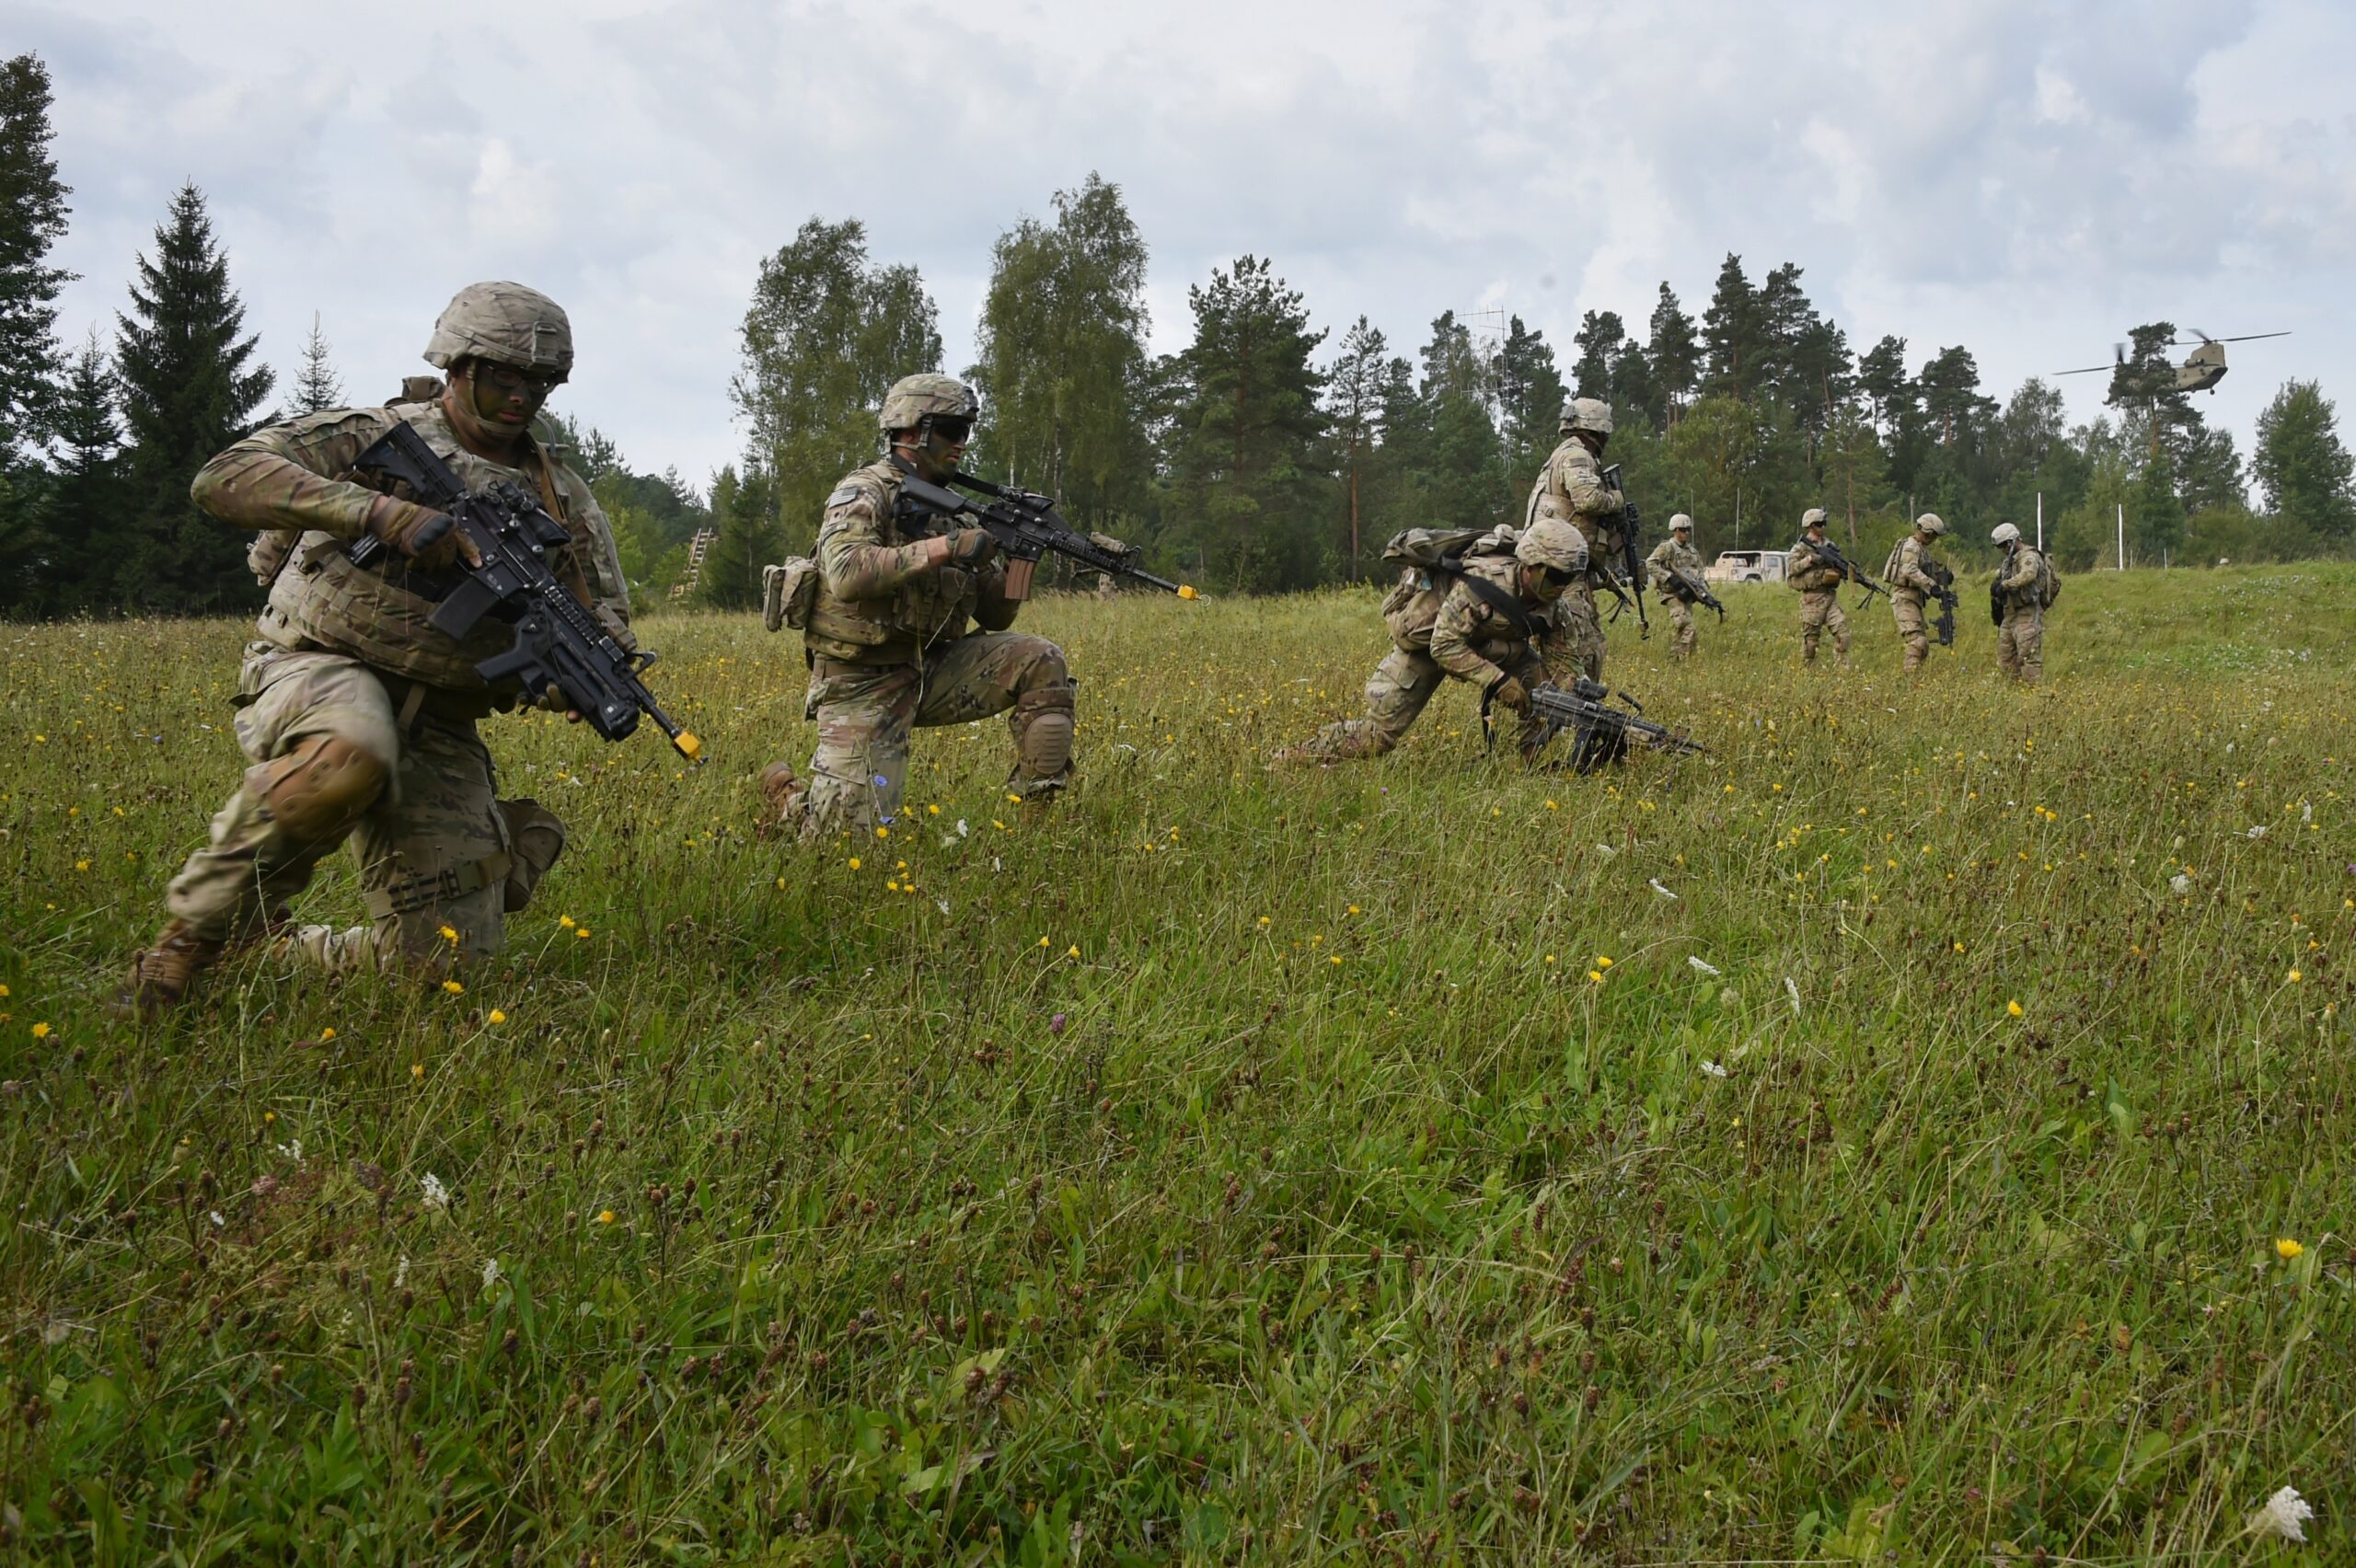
x=891 y=641
x=1911 y=585
x=1493 y=616
x=1671 y=560
x=2026 y=587
x=1571 y=489
x=1819 y=582
x=359 y=718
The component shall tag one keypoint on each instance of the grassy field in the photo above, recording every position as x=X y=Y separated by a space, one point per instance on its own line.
x=1918 y=1130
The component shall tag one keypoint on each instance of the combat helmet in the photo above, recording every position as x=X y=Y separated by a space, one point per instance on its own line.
x=1681 y=520
x=2005 y=534
x=507 y=324
x=914 y=399
x=1592 y=415
x=1812 y=518
x=1931 y=522
x=1553 y=542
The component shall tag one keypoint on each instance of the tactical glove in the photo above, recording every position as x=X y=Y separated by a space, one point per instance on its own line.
x=970 y=547
x=424 y=536
x=1511 y=693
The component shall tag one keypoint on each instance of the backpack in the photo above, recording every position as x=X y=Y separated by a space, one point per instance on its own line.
x=2048 y=582
x=788 y=593
x=1422 y=548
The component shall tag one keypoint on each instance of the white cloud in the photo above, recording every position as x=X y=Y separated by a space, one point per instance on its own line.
x=2030 y=178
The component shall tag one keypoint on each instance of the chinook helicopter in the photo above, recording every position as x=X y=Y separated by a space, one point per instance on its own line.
x=2201 y=369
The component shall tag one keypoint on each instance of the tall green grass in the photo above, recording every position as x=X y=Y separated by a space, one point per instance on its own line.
x=1420 y=1162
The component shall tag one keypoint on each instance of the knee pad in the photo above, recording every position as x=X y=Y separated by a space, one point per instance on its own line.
x=319 y=791
x=535 y=839
x=1042 y=730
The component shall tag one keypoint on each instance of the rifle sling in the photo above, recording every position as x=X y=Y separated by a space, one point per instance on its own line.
x=1497 y=598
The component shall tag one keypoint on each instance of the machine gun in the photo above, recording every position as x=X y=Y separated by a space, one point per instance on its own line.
x=558 y=641
x=1944 y=575
x=1025 y=526
x=1631 y=520
x=1696 y=591
x=1830 y=553
x=1601 y=732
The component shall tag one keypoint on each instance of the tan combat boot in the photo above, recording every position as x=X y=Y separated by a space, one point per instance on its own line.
x=161 y=974
x=781 y=794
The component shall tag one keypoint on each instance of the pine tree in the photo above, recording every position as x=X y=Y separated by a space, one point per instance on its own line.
x=2304 y=468
x=1246 y=431
x=1882 y=380
x=1600 y=340
x=827 y=334
x=1354 y=384
x=1529 y=399
x=32 y=219
x=86 y=502
x=1062 y=356
x=1733 y=332
x=317 y=386
x=1461 y=466
x=1675 y=354
x=186 y=393
x=751 y=535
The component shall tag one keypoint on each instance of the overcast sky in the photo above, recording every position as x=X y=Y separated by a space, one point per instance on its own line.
x=2028 y=179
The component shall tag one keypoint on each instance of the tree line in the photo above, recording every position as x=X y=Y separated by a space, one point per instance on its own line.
x=1262 y=458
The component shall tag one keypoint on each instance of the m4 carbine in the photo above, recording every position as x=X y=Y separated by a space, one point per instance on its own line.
x=1944 y=575
x=1601 y=732
x=1025 y=527
x=557 y=640
x=1631 y=520
x=1830 y=553
x=1696 y=591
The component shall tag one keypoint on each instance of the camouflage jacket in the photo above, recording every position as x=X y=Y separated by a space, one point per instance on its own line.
x=294 y=481
x=1807 y=570
x=1908 y=581
x=886 y=596
x=1571 y=487
x=1669 y=557
x=2021 y=579
x=1469 y=637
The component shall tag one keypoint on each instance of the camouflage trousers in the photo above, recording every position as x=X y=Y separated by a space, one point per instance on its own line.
x=1576 y=607
x=1911 y=630
x=2020 y=644
x=436 y=848
x=1401 y=686
x=1681 y=615
x=866 y=714
x=1821 y=612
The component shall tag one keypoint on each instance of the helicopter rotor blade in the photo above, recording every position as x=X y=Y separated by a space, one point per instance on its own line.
x=2245 y=338
x=2082 y=370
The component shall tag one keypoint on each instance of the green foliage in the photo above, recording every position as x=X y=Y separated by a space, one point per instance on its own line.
x=1193 y=1244
x=752 y=535
x=316 y=387
x=826 y=333
x=32 y=219
x=2309 y=477
x=1062 y=358
x=187 y=391
x=1246 y=433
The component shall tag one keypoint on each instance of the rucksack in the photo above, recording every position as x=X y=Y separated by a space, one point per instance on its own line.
x=1422 y=548
x=2048 y=582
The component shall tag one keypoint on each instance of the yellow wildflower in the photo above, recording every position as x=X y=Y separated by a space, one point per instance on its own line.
x=453 y=987
x=605 y=1217
x=2013 y=1009
x=40 y=1032
x=498 y=1015
x=2287 y=1249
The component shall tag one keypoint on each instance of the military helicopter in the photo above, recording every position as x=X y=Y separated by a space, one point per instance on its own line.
x=2201 y=369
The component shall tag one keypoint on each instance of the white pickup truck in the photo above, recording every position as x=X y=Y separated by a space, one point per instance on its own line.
x=1746 y=566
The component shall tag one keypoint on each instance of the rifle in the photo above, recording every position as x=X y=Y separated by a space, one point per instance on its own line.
x=1630 y=521
x=1944 y=575
x=1996 y=591
x=1025 y=526
x=1830 y=553
x=1602 y=732
x=558 y=641
x=1696 y=592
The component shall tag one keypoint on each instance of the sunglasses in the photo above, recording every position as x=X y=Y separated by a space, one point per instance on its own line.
x=952 y=429
x=1556 y=576
x=507 y=379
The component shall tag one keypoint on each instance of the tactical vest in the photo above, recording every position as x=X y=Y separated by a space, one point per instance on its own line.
x=930 y=608
x=320 y=600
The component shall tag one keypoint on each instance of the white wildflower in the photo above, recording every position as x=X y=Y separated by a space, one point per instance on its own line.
x=2285 y=1515
x=2257 y=831
x=1662 y=890
x=401 y=1271
x=215 y=1216
x=1791 y=988
x=1727 y=998
x=2180 y=884
x=962 y=829
x=292 y=1149
x=490 y=1273
x=435 y=1196
x=1704 y=968
x=1713 y=1070
x=1606 y=850
x=2306 y=812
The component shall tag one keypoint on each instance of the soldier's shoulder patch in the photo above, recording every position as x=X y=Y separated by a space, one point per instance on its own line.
x=845 y=494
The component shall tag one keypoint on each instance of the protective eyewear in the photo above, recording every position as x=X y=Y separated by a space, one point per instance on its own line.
x=508 y=379
x=952 y=428
x=1557 y=576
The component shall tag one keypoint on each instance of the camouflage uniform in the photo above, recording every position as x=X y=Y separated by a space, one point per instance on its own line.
x=1440 y=626
x=1910 y=587
x=2020 y=637
x=1820 y=591
x=1669 y=557
x=891 y=650
x=348 y=685
x=1571 y=488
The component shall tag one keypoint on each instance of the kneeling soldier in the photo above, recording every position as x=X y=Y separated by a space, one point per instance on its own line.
x=359 y=717
x=890 y=640
x=1493 y=620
